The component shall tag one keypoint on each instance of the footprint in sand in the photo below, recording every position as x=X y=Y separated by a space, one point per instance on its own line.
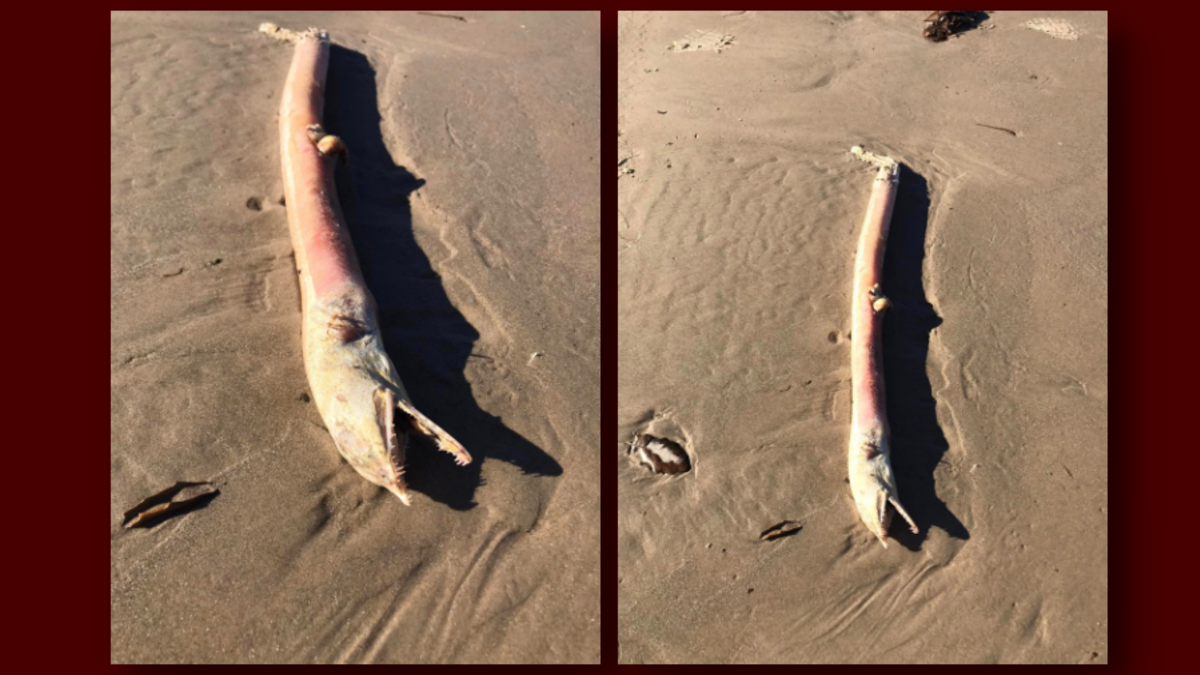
x=659 y=444
x=660 y=455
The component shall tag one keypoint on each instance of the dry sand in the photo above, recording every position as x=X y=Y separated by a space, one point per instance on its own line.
x=473 y=199
x=739 y=212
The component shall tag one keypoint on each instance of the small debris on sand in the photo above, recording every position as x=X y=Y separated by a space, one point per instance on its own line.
x=944 y=24
x=1055 y=28
x=784 y=529
x=182 y=496
x=700 y=40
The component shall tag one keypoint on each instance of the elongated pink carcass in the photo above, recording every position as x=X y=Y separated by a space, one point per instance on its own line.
x=353 y=382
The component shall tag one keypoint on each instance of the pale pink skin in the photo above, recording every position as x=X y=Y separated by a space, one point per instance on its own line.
x=866 y=361
x=353 y=382
x=314 y=216
x=871 y=479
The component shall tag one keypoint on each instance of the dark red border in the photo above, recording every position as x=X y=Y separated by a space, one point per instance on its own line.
x=57 y=366
x=608 y=349
x=1129 y=642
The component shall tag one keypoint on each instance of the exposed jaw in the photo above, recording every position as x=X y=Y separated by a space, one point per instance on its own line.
x=874 y=487
x=394 y=451
x=400 y=491
x=365 y=433
x=424 y=425
x=885 y=518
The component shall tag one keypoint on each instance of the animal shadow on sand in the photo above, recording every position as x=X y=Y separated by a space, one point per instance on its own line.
x=918 y=443
x=427 y=338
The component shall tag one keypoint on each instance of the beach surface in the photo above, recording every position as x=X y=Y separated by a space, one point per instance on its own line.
x=739 y=211
x=473 y=198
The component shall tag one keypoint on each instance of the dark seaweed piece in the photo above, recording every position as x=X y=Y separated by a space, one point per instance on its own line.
x=444 y=16
x=785 y=529
x=179 y=498
x=1007 y=131
x=940 y=25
